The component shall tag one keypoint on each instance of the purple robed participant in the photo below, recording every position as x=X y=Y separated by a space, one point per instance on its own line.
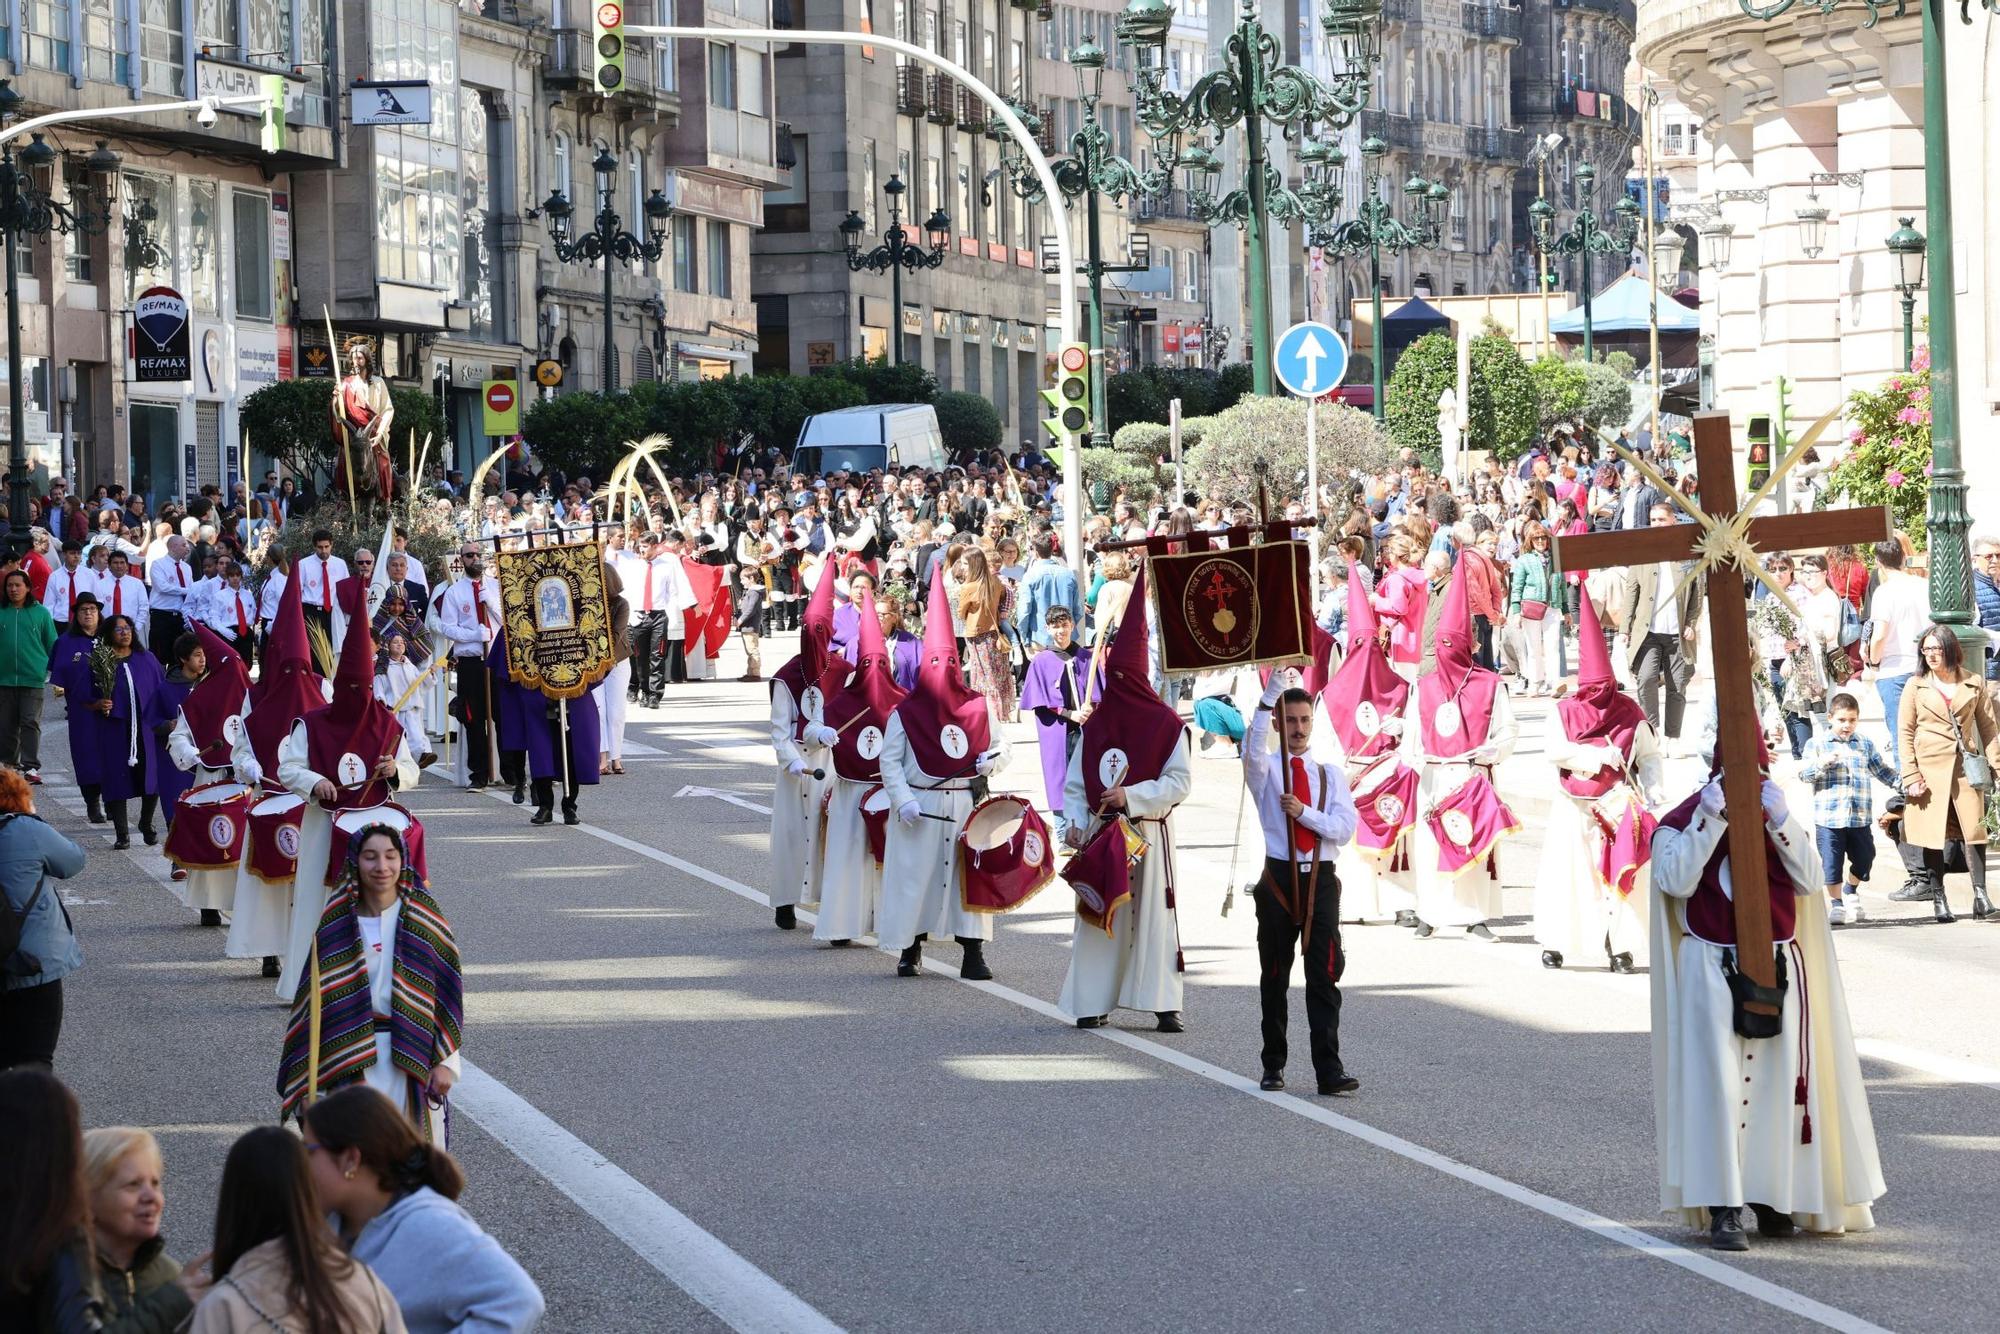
x=69 y=671
x=170 y=779
x=1052 y=689
x=846 y=630
x=906 y=653
x=545 y=752
x=130 y=761
x=516 y=712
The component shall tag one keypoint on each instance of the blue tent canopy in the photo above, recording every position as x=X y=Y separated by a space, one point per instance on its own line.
x=1623 y=308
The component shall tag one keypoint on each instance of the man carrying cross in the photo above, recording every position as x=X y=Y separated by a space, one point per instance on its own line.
x=1757 y=1092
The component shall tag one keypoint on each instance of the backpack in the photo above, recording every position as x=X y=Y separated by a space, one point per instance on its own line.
x=1850 y=624
x=12 y=958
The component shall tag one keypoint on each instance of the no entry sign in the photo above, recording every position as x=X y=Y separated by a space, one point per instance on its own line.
x=502 y=400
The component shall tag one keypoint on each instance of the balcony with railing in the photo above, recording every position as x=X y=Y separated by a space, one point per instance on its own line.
x=1401 y=11
x=568 y=63
x=1495 y=144
x=910 y=91
x=1590 y=104
x=973 y=112
x=1494 y=22
x=1392 y=129
x=1622 y=11
x=1169 y=204
x=1045 y=128
x=940 y=100
x=787 y=152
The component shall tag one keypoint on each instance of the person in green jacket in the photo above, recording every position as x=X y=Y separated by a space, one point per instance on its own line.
x=27 y=637
x=143 y=1291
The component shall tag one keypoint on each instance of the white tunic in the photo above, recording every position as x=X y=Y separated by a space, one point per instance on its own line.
x=1574 y=913
x=795 y=850
x=315 y=845
x=391 y=684
x=1136 y=966
x=1472 y=896
x=850 y=884
x=204 y=888
x=1727 y=1128
x=378 y=950
x=920 y=877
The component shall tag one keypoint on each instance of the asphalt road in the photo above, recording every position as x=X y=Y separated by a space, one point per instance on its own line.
x=679 y=1117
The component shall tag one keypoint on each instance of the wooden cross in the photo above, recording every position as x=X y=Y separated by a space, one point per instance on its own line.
x=1737 y=726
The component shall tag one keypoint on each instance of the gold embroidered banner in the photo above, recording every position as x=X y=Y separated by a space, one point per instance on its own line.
x=1234 y=608
x=558 y=619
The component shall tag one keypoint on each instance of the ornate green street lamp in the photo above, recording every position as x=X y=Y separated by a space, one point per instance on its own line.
x=1254 y=91
x=1587 y=236
x=897 y=252
x=1376 y=229
x=1906 y=247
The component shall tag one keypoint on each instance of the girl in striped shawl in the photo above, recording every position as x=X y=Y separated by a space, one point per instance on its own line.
x=380 y=998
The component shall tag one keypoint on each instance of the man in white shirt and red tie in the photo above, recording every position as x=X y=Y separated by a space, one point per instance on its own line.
x=230 y=610
x=660 y=597
x=320 y=576
x=66 y=581
x=1307 y=813
x=468 y=617
x=123 y=594
x=169 y=580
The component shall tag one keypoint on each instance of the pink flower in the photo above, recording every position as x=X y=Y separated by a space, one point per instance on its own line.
x=1895 y=385
x=1921 y=361
x=1856 y=436
x=1927 y=470
x=1894 y=479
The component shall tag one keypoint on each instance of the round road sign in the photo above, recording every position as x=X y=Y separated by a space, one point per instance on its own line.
x=500 y=396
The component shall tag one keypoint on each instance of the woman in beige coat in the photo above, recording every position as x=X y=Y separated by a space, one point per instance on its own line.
x=1941 y=807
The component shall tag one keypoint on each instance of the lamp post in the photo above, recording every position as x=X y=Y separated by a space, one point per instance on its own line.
x=606 y=241
x=1254 y=91
x=1587 y=236
x=1376 y=229
x=896 y=253
x=1091 y=172
x=28 y=210
x=1906 y=247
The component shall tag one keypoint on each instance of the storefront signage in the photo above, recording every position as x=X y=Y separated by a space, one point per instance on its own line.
x=390 y=102
x=161 y=353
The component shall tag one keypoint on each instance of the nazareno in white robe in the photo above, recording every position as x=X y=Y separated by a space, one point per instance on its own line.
x=1137 y=965
x=1473 y=895
x=920 y=876
x=261 y=917
x=850 y=883
x=1726 y=1127
x=1574 y=912
x=795 y=798
x=212 y=888
x=1369 y=890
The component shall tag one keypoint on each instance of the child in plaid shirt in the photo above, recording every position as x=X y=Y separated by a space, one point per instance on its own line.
x=1838 y=764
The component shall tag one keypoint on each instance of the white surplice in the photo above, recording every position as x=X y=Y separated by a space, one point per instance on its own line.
x=1574 y=912
x=205 y=888
x=795 y=798
x=1473 y=895
x=920 y=875
x=850 y=882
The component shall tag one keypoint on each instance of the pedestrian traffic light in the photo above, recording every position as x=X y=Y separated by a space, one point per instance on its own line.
x=607 y=57
x=1070 y=398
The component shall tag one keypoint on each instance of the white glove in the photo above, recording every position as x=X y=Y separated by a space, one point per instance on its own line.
x=1392 y=727
x=1486 y=755
x=1272 y=689
x=1712 y=799
x=253 y=773
x=1776 y=809
x=819 y=734
x=795 y=768
x=908 y=813
x=987 y=763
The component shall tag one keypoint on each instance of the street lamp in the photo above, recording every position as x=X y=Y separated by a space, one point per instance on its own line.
x=1090 y=172
x=896 y=253
x=27 y=209
x=606 y=241
x=1254 y=91
x=1587 y=236
x=1907 y=247
x=1376 y=229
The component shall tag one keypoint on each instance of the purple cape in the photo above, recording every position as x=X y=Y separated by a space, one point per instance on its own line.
x=111 y=737
x=69 y=668
x=846 y=630
x=1052 y=683
x=161 y=715
x=517 y=711
x=544 y=757
x=906 y=652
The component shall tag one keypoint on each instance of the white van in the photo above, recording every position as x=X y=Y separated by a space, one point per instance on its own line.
x=882 y=435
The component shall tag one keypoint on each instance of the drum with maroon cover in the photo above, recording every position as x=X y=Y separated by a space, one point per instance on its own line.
x=207 y=831
x=271 y=842
x=346 y=824
x=1101 y=871
x=1004 y=856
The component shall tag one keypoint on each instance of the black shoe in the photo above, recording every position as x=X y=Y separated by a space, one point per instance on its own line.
x=123 y=842
x=632 y=698
x=1425 y=930
x=1170 y=1022
x=569 y=813
x=973 y=966
x=1622 y=963
x=478 y=785
x=1913 y=891
x=839 y=944
x=652 y=701
x=911 y=962
x=1340 y=1083
x=1092 y=1021
x=1406 y=918
x=1480 y=931
x=1552 y=959
x=1940 y=909
x=542 y=815
x=1982 y=907
x=210 y=917
x=271 y=968
x=151 y=836
x=1725 y=1230
x=787 y=917
x=95 y=814
x=1272 y=1081
x=521 y=796
x=1771 y=1223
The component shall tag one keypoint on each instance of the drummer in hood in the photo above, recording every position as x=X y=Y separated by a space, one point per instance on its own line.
x=204 y=731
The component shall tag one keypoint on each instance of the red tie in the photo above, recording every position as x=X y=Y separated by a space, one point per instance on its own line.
x=118 y=597
x=649 y=587
x=69 y=591
x=180 y=572
x=1302 y=838
x=478 y=603
x=325 y=584
x=242 y=622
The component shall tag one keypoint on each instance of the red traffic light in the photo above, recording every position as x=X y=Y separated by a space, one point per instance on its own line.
x=610 y=15
x=1075 y=358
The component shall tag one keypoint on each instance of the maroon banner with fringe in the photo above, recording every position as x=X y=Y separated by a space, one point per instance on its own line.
x=1241 y=606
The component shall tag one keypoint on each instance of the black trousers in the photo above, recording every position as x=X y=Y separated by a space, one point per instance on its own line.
x=30 y=1024
x=649 y=665
x=163 y=628
x=319 y=616
x=1277 y=938
x=1656 y=659
x=470 y=671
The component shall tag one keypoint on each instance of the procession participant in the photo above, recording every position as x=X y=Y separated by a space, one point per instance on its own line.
x=906 y=651
x=798 y=700
x=1401 y=596
x=550 y=731
x=1465 y=729
x=349 y=756
x=389 y=1010
x=394 y=680
x=756 y=557
x=1591 y=885
x=847 y=592
x=1131 y=763
x=123 y=701
x=610 y=691
x=205 y=727
x=287 y=691
x=394 y=611
x=711 y=608
x=468 y=617
x=168 y=580
x=124 y=595
x=854 y=726
x=517 y=713
x=322 y=573
x=70 y=674
x=1780 y=1124
x=229 y=611
x=65 y=583
x=940 y=737
x=1307 y=814
x=94 y=576
x=403 y=573
x=1053 y=691
x=271 y=591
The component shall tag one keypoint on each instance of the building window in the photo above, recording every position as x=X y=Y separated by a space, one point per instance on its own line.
x=159 y=192
x=215 y=26
x=202 y=247
x=418 y=220
x=718 y=259
x=162 y=41
x=684 y=254
x=104 y=55
x=77 y=241
x=722 y=76
x=787 y=208
x=667 y=58
x=560 y=153
x=1191 y=275
x=251 y=237
x=479 y=270
x=750 y=81
x=46 y=24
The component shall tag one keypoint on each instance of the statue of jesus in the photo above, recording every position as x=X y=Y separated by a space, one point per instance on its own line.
x=362 y=414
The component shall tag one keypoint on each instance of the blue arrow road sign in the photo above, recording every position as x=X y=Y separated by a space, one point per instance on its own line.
x=1310 y=359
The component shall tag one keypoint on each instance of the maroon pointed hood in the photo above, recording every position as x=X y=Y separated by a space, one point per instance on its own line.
x=216 y=698
x=946 y=720
x=1131 y=732
x=1455 y=701
x=1365 y=690
x=815 y=666
x=860 y=710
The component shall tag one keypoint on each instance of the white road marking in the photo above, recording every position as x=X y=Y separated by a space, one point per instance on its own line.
x=697 y=1262
x=723 y=794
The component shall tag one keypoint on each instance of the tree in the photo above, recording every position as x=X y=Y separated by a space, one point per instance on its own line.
x=1558 y=392
x=696 y=416
x=882 y=382
x=1423 y=372
x=1133 y=396
x=291 y=421
x=1889 y=462
x=417 y=410
x=968 y=423
x=1272 y=431
x=1233 y=385
x=1503 y=399
x=581 y=434
x=1107 y=471
x=1607 y=397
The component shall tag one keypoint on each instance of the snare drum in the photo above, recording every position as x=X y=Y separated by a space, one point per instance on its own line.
x=207 y=830
x=1101 y=872
x=1004 y=855
x=346 y=824
x=271 y=845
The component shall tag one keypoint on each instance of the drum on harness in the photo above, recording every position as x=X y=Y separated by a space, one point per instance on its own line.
x=1004 y=855
x=207 y=830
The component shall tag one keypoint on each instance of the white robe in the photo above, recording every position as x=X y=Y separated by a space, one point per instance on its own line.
x=315 y=844
x=1136 y=966
x=1726 y=1127
x=610 y=696
x=1369 y=890
x=1473 y=895
x=795 y=850
x=261 y=916
x=850 y=883
x=391 y=683
x=205 y=888
x=383 y=1075
x=920 y=877
x=1574 y=913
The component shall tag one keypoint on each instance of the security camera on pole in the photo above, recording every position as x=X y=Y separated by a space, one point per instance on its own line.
x=1310 y=360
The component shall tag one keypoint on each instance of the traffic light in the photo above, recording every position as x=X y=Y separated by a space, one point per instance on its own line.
x=607 y=56
x=1070 y=398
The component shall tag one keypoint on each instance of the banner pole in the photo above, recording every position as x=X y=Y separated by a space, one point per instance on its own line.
x=1312 y=484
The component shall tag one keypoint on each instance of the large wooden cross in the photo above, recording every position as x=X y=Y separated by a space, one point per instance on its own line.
x=1737 y=726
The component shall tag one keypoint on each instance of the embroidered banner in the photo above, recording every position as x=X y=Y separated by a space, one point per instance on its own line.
x=557 y=617
x=1234 y=608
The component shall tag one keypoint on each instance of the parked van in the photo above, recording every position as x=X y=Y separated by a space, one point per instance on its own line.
x=882 y=435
